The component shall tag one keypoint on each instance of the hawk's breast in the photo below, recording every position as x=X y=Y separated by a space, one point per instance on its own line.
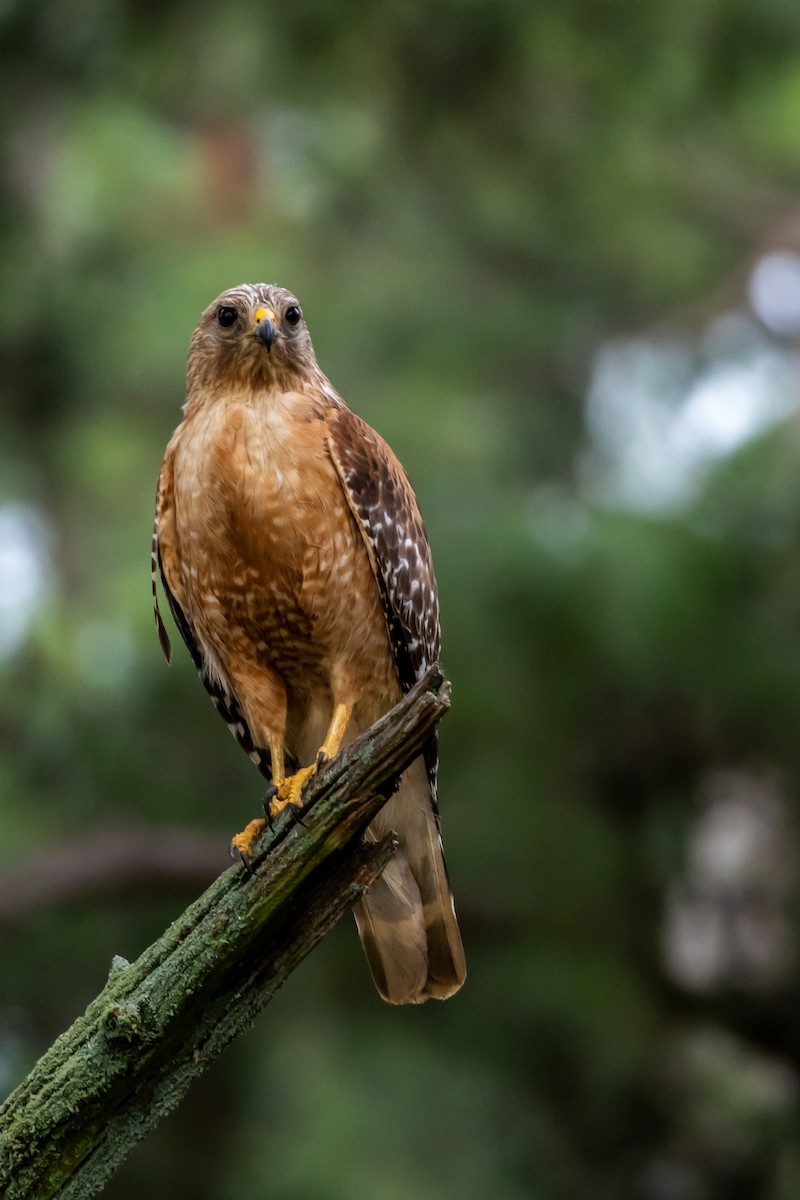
x=271 y=562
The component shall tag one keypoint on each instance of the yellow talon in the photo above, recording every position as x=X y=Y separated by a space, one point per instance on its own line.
x=242 y=844
x=290 y=791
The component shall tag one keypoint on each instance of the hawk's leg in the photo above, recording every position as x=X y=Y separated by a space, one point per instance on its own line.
x=242 y=844
x=290 y=790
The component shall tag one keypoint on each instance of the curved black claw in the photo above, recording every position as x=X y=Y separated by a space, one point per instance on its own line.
x=244 y=858
x=320 y=758
x=269 y=796
x=296 y=814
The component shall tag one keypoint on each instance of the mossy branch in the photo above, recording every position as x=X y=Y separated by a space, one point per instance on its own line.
x=160 y=1021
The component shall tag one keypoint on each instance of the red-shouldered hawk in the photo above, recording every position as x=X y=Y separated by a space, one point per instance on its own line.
x=298 y=571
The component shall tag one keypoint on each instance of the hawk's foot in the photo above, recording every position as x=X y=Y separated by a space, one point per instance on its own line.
x=291 y=791
x=242 y=844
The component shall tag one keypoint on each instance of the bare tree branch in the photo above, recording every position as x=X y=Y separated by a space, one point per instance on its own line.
x=160 y=1021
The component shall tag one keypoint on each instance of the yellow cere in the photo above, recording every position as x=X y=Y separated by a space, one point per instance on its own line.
x=264 y=312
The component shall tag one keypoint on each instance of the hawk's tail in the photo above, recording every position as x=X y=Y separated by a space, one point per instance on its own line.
x=407 y=922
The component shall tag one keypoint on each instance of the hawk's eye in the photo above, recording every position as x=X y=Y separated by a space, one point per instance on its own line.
x=226 y=316
x=293 y=315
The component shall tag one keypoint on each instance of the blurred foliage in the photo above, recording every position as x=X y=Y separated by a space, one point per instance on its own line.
x=471 y=198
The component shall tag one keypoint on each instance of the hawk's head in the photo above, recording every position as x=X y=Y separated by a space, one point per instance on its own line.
x=253 y=335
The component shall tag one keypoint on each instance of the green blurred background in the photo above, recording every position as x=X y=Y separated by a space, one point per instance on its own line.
x=552 y=252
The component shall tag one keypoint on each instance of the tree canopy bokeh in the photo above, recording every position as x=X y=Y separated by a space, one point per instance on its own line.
x=552 y=252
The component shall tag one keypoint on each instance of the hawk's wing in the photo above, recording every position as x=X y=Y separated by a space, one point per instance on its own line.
x=222 y=698
x=387 y=514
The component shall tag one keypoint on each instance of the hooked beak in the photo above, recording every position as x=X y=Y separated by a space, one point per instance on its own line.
x=265 y=329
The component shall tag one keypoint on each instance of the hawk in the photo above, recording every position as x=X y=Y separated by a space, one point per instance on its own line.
x=297 y=569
